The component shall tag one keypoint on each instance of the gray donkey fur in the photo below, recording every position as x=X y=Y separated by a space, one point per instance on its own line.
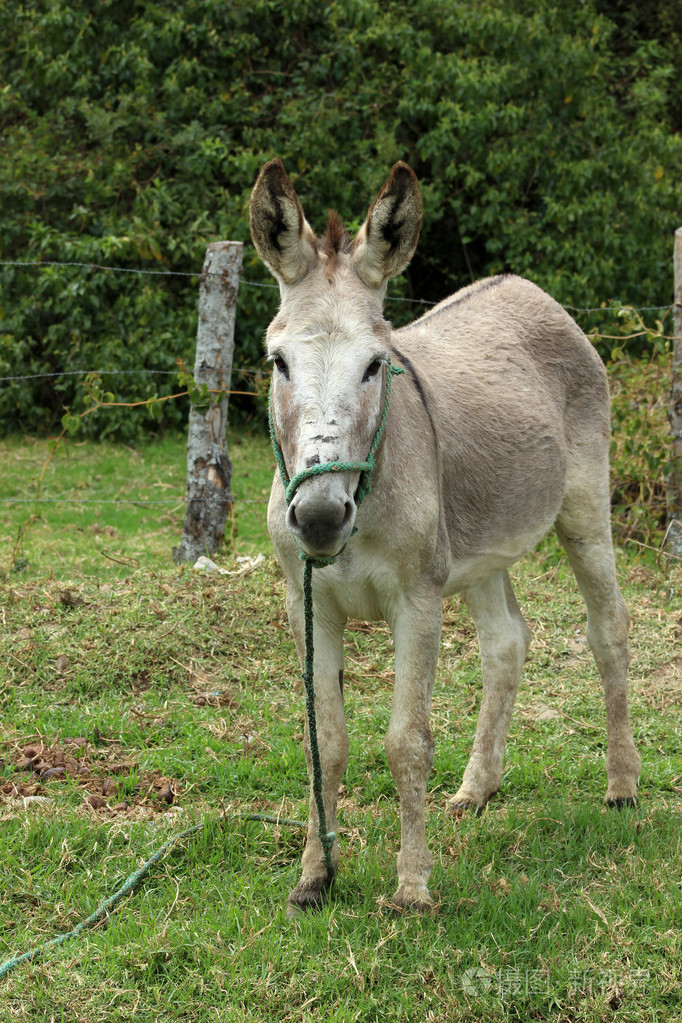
x=498 y=430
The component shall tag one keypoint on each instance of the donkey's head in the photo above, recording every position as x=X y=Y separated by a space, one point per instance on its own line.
x=329 y=342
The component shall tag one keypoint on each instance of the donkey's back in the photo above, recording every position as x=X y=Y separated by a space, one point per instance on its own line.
x=519 y=403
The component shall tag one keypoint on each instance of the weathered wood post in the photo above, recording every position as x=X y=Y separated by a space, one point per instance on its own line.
x=674 y=532
x=209 y=470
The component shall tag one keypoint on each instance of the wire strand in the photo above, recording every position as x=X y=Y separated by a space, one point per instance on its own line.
x=263 y=284
x=86 y=372
x=113 y=500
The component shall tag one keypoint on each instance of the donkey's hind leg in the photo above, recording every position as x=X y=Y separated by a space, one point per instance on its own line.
x=586 y=538
x=503 y=638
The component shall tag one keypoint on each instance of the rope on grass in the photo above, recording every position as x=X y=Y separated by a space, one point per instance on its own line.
x=366 y=468
x=129 y=886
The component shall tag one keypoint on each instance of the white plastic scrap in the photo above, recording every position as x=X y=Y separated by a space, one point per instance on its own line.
x=246 y=564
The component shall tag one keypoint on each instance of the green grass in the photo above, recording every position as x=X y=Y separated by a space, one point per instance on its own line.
x=174 y=698
x=80 y=526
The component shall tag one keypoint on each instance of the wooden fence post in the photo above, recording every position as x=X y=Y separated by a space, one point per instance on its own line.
x=209 y=470
x=674 y=532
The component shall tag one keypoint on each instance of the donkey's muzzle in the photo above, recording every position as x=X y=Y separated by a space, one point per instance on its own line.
x=321 y=518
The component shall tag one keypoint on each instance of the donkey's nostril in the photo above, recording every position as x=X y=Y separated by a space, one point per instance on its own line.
x=292 y=521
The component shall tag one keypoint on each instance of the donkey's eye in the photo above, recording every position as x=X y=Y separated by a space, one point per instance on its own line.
x=372 y=370
x=281 y=366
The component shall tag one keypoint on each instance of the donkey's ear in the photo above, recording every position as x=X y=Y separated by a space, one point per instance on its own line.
x=283 y=238
x=386 y=241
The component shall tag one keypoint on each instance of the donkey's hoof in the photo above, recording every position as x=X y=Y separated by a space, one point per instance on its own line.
x=309 y=893
x=622 y=791
x=473 y=794
x=459 y=805
x=413 y=898
x=620 y=801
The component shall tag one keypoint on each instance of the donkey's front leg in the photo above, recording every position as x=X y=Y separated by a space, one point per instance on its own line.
x=409 y=743
x=332 y=739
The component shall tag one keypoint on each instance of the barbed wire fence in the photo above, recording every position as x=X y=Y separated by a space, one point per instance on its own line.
x=606 y=309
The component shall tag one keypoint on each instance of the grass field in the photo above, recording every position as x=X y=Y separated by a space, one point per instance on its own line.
x=138 y=699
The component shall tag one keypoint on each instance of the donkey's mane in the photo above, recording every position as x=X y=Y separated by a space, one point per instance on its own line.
x=335 y=238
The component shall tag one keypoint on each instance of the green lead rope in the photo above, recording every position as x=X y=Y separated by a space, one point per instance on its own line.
x=105 y=908
x=366 y=468
x=327 y=838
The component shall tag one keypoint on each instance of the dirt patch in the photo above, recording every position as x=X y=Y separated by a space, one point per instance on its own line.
x=110 y=782
x=662 y=690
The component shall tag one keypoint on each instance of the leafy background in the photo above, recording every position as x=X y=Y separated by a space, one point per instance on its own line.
x=545 y=136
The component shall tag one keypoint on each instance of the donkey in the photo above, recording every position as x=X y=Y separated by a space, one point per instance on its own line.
x=498 y=429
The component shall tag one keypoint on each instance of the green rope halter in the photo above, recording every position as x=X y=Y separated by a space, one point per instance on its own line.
x=366 y=468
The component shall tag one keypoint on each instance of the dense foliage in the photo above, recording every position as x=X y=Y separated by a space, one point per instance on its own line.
x=542 y=133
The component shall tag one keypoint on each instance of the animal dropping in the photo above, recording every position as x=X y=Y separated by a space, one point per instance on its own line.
x=497 y=430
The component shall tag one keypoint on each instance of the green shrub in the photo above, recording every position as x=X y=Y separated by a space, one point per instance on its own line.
x=132 y=134
x=641 y=442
